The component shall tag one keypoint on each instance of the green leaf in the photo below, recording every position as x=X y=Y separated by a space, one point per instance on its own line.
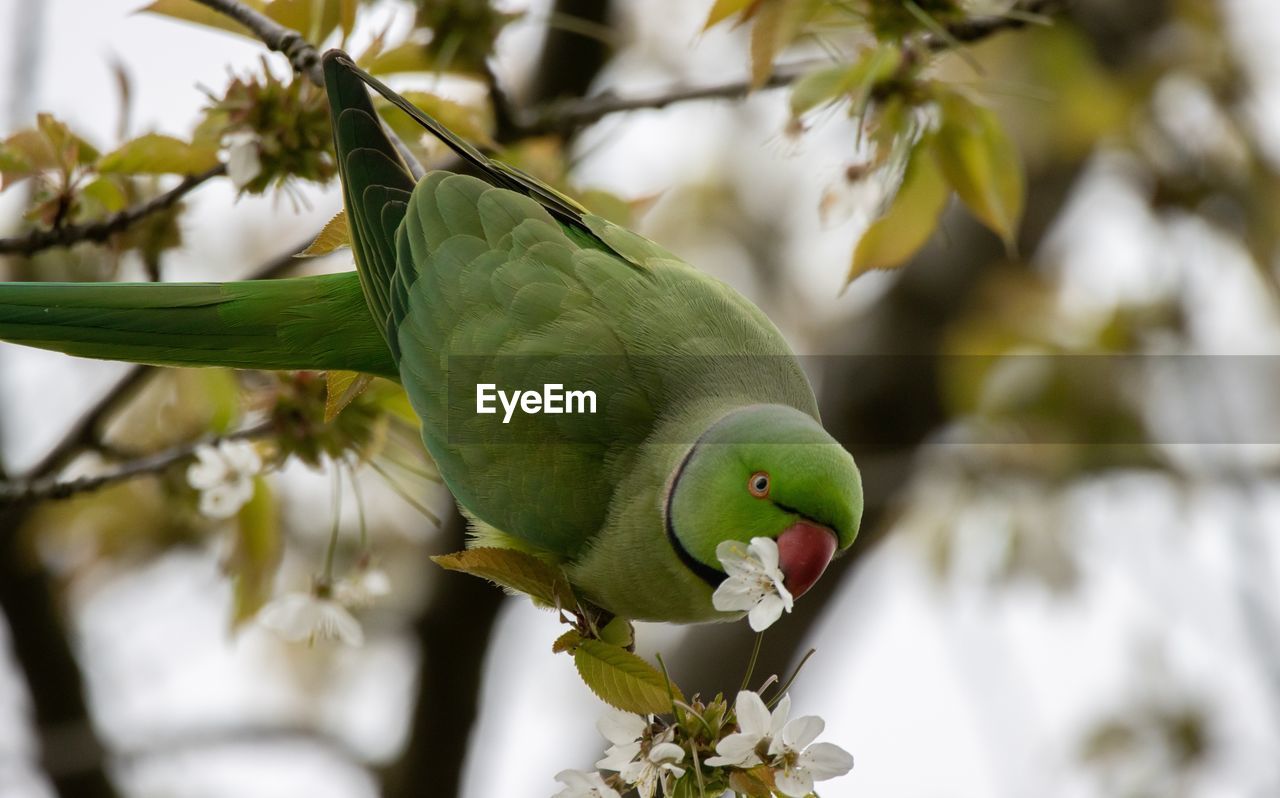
x=335 y=235
x=191 y=11
x=723 y=9
x=910 y=220
x=514 y=570
x=621 y=679
x=106 y=194
x=256 y=556
x=566 y=642
x=405 y=57
x=156 y=154
x=341 y=388
x=854 y=80
x=619 y=632
x=68 y=148
x=981 y=164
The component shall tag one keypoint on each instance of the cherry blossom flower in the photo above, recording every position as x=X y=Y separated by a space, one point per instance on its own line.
x=754 y=584
x=363 y=588
x=299 y=617
x=645 y=767
x=578 y=784
x=243 y=160
x=223 y=473
x=786 y=747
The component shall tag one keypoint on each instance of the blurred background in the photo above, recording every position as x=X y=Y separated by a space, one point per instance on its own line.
x=1066 y=580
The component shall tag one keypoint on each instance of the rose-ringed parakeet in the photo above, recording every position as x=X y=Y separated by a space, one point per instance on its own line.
x=705 y=430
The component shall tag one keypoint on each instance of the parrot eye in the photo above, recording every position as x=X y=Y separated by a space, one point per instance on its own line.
x=758 y=484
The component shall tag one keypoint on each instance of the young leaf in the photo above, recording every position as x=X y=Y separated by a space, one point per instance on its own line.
x=910 y=220
x=191 y=11
x=621 y=679
x=566 y=642
x=723 y=9
x=981 y=164
x=767 y=39
x=513 y=570
x=406 y=57
x=342 y=387
x=256 y=556
x=854 y=80
x=156 y=154
x=335 y=235
x=754 y=783
x=106 y=193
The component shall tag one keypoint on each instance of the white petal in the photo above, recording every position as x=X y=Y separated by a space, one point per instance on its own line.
x=620 y=727
x=337 y=623
x=796 y=784
x=764 y=614
x=583 y=785
x=733 y=596
x=666 y=752
x=781 y=711
x=752 y=714
x=220 y=502
x=736 y=750
x=243 y=161
x=766 y=551
x=619 y=757
x=291 y=616
x=797 y=734
x=209 y=470
x=826 y=761
x=241 y=456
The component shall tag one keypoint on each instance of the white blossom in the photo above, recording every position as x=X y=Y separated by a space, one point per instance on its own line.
x=786 y=747
x=644 y=767
x=583 y=785
x=624 y=731
x=754 y=584
x=755 y=726
x=299 y=617
x=363 y=588
x=243 y=161
x=223 y=473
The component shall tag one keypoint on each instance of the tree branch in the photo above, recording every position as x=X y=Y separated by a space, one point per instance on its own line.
x=23 y=491
x=568 y=116
x=301 y=53
x=103 y=229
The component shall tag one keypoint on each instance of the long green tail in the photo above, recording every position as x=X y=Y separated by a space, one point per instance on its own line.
x=316 y=323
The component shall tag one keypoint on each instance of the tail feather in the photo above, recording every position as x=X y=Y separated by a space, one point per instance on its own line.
x=301 y=323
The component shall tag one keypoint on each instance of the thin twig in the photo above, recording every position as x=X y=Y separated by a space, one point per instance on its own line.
x=301 y=53
x=46 y=488
x=567 y=117
x=103 y=229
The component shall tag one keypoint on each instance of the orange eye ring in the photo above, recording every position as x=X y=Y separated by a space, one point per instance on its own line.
x=758 y=484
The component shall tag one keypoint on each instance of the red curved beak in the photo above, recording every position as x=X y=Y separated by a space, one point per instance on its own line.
x=804 y=551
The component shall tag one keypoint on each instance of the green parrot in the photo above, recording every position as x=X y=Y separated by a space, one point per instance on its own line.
x=704 y=430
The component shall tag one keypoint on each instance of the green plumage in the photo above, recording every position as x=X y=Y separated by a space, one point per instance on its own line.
x=497 y=279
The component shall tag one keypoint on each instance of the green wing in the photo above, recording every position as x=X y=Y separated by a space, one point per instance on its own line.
x=502 y=280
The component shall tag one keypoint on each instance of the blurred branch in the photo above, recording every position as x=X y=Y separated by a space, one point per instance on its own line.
x=974 y=29
x=41 y=489
x=301 y=53
x=103 y=229
x=568 y=116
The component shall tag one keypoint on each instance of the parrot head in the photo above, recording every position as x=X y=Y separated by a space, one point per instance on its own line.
x=765 y=471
